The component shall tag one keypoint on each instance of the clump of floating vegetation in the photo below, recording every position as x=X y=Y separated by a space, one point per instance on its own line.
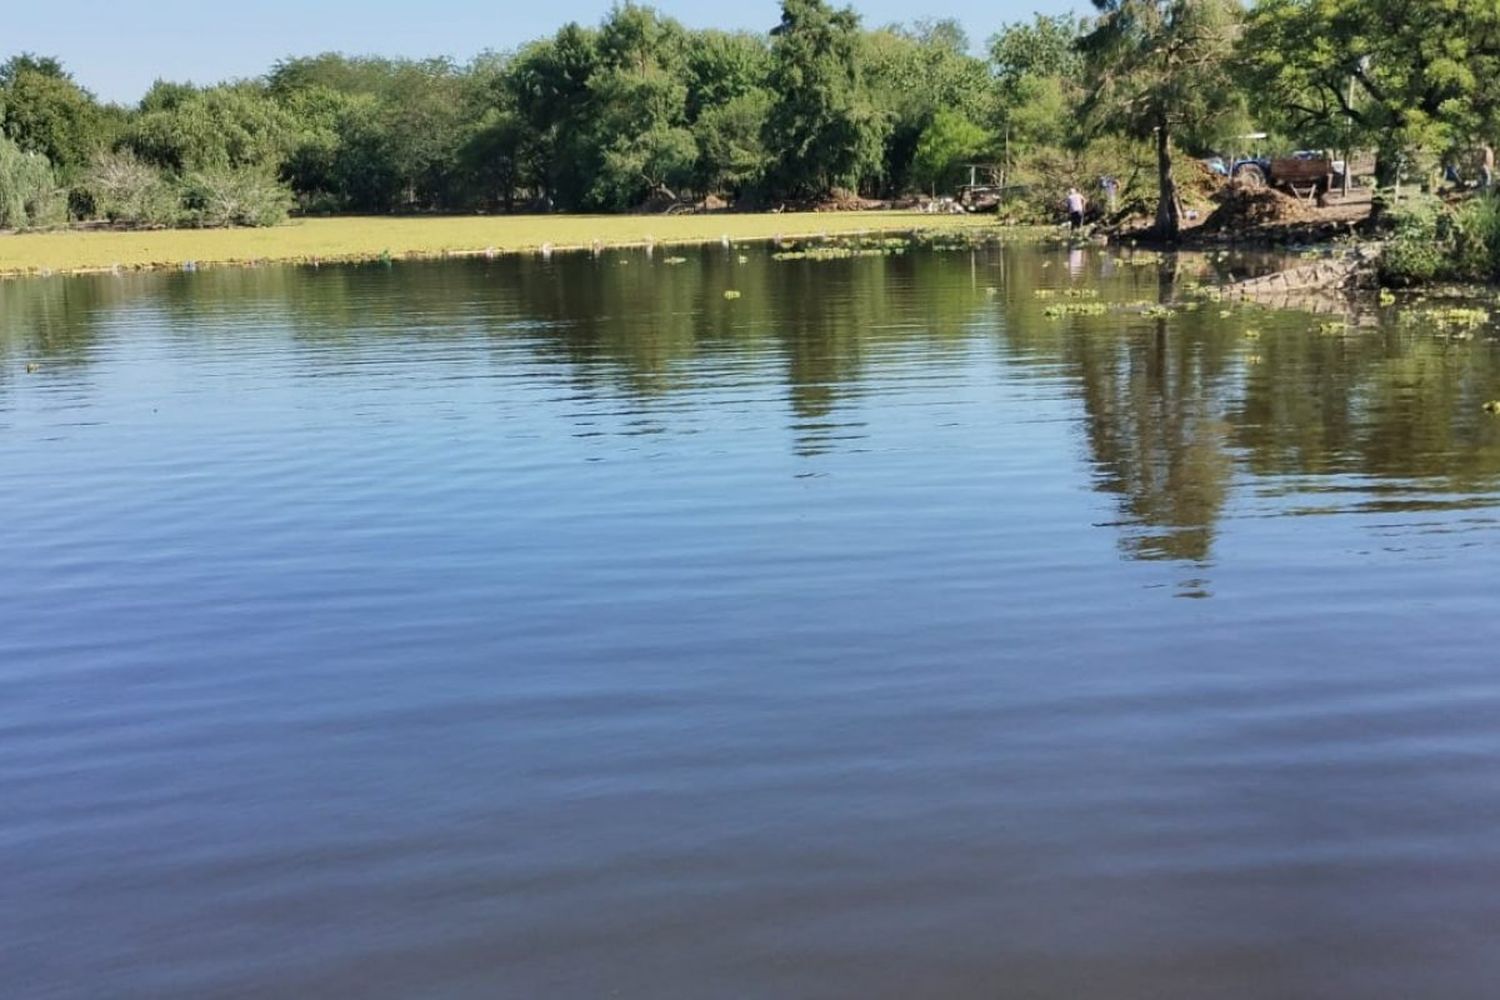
x=1159 y=312
x=731 y=295
x=1334 y=329
x=830 y=253
x=1075 y=309
x=977 y=237
x=1456 y=321
x=845 y=249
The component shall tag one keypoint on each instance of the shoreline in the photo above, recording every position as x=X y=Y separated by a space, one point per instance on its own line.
x=363 y=239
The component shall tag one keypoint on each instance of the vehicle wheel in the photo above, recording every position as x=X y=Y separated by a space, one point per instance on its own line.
x=1251 y=176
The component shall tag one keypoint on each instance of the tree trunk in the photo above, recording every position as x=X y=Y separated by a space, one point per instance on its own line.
x=1168 y=208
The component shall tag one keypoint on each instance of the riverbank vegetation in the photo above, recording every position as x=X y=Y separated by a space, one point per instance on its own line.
x=642 y=113
x=1434 y=241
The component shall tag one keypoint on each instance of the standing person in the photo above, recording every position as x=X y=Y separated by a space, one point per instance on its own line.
x=1076 y=207
x=1486 y=167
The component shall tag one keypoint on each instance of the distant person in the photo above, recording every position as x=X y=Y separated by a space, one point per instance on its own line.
x=1486 y=167
x=1076 y=207
x=1111 y=189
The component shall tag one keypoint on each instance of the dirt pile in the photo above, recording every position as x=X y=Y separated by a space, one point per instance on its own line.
x=1197 y=184
x=1243 y=209
x=840 y=200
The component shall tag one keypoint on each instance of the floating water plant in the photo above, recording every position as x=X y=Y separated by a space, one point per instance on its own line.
x=1075 y=309
x=1159 y=312
x=731 y=295
x=834 y=253
x=1460 y=319
x=1455 y=321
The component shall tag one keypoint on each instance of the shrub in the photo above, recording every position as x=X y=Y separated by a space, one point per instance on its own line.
x=1414 y=254
x=1476 y=239
x=29 y=192
x=1430 y=241
x=243 y=196
x=124 y=189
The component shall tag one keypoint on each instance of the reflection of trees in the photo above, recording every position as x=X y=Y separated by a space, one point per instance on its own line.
x=1171 y=407
x=57 y=319
x=1157 y=441
x=1153 y=399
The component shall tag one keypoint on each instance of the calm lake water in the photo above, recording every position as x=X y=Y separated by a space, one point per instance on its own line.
x=564 y=629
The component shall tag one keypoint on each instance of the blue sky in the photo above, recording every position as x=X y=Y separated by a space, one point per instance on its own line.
x=116 y=48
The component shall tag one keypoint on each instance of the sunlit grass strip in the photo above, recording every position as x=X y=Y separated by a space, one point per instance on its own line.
x=367 y=238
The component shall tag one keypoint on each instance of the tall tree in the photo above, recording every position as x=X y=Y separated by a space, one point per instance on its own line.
x=1038 y=79
x=822 y=127
x=549 y=85
x=640 y=93
x=1160 y=68
x=914 y=76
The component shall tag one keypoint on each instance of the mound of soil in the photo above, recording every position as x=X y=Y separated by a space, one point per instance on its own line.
x=1198 y=185
x=839 y=200
x=1242 y=209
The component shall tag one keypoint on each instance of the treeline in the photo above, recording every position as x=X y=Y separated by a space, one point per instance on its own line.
x=641 y=109
x=600 y=119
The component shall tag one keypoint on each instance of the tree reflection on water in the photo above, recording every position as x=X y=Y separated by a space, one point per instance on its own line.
x=1172 y=409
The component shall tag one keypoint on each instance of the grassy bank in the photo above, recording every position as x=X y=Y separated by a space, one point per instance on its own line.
x=366 y=238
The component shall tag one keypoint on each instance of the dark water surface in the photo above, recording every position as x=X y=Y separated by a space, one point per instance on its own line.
x=564 y=629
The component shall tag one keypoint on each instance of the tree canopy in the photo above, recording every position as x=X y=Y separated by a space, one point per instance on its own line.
x=640 y=109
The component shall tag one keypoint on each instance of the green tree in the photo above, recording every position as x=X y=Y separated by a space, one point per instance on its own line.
x=29 y=193
x=1160 y=68
x=1406 y=73
x=822 y=129
x=548 y=84
x=231 y=125
x=640 y=96
x=732 y=156
x=1038 y=74
x=948 y=141
x=45 y=112
x=913 y=74
x=723 y=66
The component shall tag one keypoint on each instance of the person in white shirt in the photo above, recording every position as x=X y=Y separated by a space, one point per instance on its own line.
x=1076 y=207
